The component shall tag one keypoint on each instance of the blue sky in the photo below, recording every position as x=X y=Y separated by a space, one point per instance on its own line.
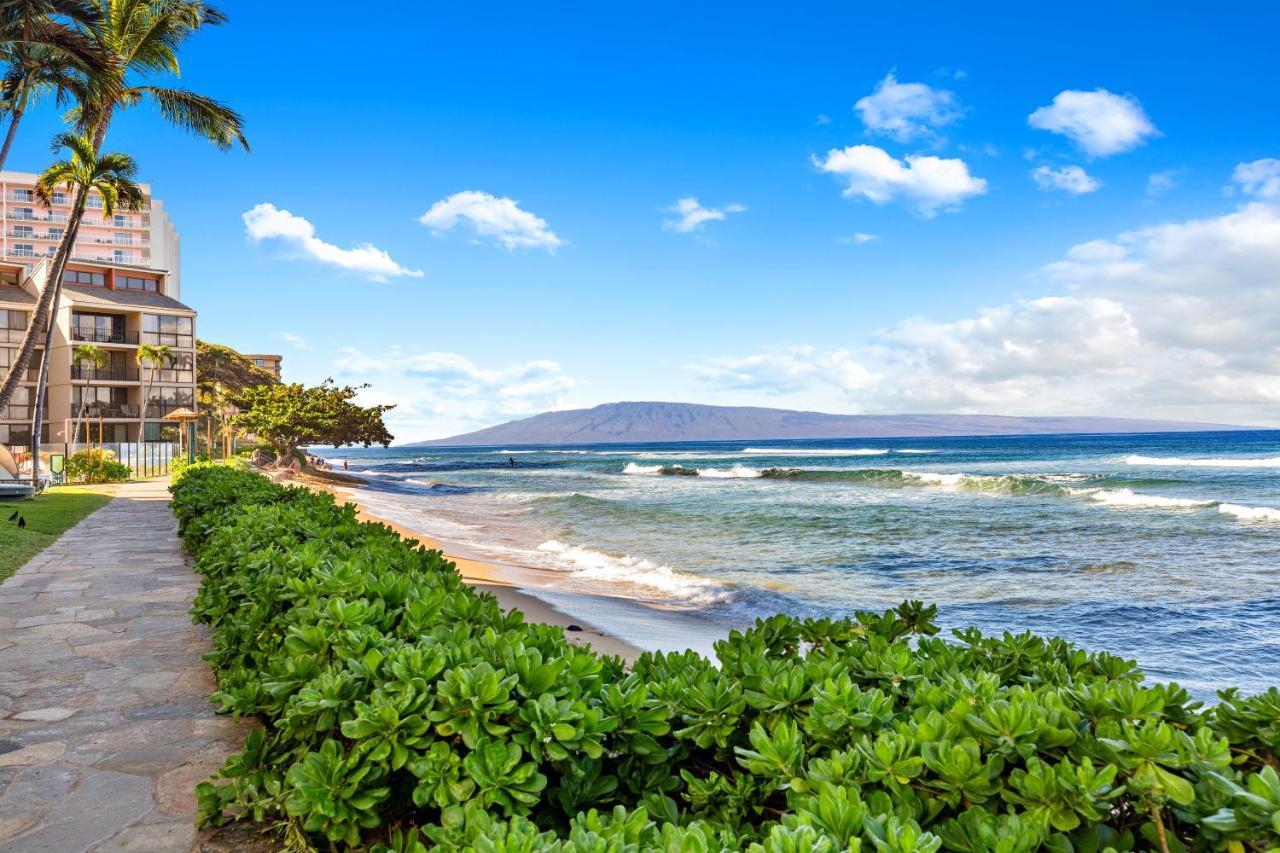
x=572 y=131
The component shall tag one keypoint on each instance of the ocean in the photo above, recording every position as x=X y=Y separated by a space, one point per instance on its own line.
x=1161 y=548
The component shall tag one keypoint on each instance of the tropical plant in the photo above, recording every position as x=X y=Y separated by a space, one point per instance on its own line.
x=111 y=175
x=129 y=42
x=43 y=45
x=96 y=466
x=98 y=358
x=401 y=709
x=156 y=357
x=136 y=41
x=294 y=416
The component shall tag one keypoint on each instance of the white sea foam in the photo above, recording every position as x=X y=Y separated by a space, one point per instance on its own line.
x=737 y=472
x=934 y=478
x=1204 y=462
x=914 y=450
x=588 y=563
x=1130 y=498
x=1250 y=513
x=633 y=468
x=800 y=451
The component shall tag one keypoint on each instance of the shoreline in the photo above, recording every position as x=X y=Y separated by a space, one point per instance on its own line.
x=483 y=575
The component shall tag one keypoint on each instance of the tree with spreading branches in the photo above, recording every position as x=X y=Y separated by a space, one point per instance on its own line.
x=292 y=416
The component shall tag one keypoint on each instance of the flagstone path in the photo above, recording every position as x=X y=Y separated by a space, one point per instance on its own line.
x=105 y=720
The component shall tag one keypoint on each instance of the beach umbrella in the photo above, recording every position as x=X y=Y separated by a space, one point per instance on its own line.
x=182 y=417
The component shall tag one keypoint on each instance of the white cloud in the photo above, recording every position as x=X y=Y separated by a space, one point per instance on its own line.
x=907 y=111
x=268 y=222
x=1072 y=179
x=822 y=119
x=1099 y=122
x=1179 y=320
x=500 y=219
x=929 y=184
x=298 y=341
x=857 y=238
x=1160 y=183
x=691 y=216
x=355 y=363
x=1260 y=178
x=444 y=393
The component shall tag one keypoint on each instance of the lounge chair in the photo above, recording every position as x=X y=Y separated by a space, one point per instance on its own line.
x=11 y=488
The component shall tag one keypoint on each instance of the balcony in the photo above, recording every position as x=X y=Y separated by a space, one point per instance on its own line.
x=111 y=411
x=22 y=195
x=156 y=411
x=103 y=336
x=23 y=216
x=104 y=374
x=130 y=261
x=142 y=240
x=21 y=412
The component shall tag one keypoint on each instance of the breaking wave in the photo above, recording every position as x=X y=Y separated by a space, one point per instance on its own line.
x=590 y=564
x=1250 y=513
x=1199 y=462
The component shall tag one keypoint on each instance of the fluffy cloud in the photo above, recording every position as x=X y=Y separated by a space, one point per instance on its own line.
x=1179 y=320
x=691 y=216
x=268 y=222
x=1260 y=178
x=907 y=111
x=500 y=219
x=1072 y=179
x=442 y=393
x=929 y=184
x=1099 y=122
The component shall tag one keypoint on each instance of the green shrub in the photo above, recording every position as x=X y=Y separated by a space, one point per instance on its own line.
x=96 y=466
x=403 y=710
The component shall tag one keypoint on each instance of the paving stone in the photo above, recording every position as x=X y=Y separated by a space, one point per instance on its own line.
x=105 y=721
x=45 y=715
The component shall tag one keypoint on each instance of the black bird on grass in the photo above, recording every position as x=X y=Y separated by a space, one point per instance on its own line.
x=14 y=517
x=22 y=522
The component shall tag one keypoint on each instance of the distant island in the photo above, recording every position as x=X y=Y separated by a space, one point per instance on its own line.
x=642 y=423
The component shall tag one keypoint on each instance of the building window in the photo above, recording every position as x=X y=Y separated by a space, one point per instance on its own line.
x=10 y=278
x=20 y=408
x=23 y=250
x=180 y=369
x=94 y=201
x=12 y=325
x=167 y=330
x=55 y=233
x=9 y=354
x=19 y=435
x=22 y=213
x=165 y=400
x=25 y=231
x=101 y=329
x=22 y=195
x=95 y=279
x=132 y=283
x=59 y=198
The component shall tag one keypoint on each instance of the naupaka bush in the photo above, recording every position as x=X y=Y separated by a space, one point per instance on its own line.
x=403 y=710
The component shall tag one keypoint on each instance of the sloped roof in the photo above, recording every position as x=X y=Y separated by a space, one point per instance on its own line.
x=16 y=295
x=85 y=294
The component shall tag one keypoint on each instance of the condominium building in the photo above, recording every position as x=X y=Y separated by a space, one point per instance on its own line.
x=121 y=289
x=269 y=363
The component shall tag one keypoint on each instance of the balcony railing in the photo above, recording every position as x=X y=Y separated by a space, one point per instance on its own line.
x=19 y=195
x=128 y=261
x=103 y=336
x=22 y=216
x=105 y=374
x=159 y=410
x=110 y=410
x=24 y=253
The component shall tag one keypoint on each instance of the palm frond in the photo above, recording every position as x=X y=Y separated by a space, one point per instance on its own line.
x=200 y=115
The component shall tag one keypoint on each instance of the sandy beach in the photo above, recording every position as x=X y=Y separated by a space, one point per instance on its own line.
x=485 y=576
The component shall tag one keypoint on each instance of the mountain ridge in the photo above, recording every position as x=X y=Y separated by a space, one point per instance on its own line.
x=657 y=422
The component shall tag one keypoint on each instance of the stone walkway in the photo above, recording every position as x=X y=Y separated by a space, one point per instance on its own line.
x=105 y=720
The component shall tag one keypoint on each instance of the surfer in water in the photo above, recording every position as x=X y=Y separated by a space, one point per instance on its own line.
x=512 y=460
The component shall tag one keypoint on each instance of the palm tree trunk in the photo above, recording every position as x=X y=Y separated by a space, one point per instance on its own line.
x=48 y=299
x=16 y=119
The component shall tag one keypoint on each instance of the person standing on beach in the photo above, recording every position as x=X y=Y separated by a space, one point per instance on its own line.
x=512 y=460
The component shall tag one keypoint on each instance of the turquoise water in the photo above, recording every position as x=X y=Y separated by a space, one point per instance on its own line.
x=1163 y=548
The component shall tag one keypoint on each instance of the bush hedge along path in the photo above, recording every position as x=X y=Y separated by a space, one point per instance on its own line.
x=105 y=723
x=402 y=711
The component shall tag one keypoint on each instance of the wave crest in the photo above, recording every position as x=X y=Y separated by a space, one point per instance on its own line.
x=588 y=563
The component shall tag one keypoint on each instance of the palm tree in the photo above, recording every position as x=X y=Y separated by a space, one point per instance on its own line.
x=99 y=358
x=157 y=356
x=137 y=40
x=112 y=177
x=132 y=40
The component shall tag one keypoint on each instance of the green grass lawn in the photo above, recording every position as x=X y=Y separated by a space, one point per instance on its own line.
x=48 y=516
